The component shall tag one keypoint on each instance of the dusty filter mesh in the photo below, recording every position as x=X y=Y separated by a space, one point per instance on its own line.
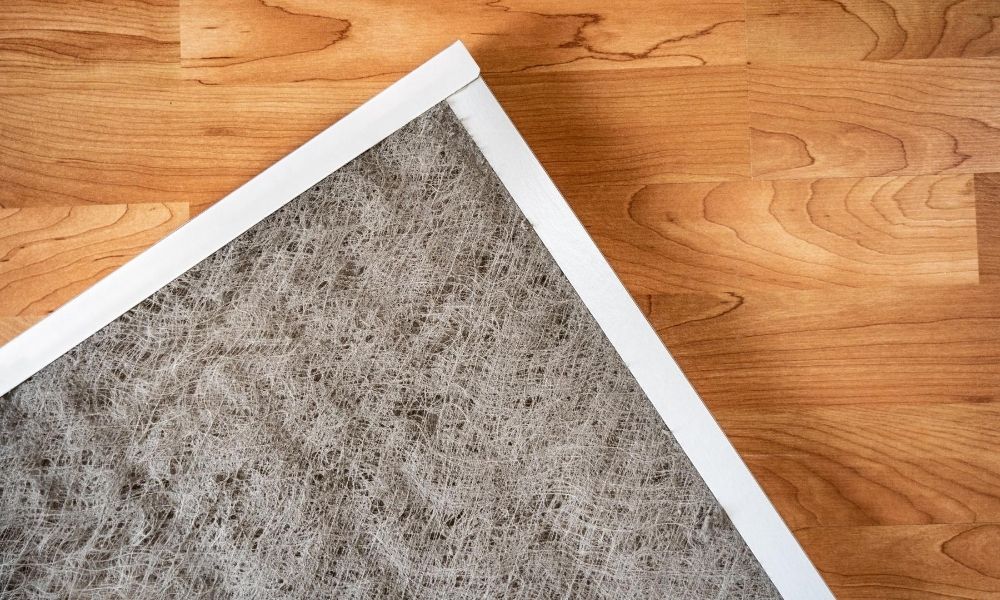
x=386 y=389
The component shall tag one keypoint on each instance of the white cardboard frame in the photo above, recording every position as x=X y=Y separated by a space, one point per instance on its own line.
x=452 y=75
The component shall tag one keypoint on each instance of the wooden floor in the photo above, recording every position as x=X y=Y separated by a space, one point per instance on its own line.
x=804 y=196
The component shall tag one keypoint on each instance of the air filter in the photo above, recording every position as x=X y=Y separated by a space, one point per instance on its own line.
x=391 y=365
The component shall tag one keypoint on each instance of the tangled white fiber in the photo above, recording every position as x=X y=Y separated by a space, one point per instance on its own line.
x=386 y=389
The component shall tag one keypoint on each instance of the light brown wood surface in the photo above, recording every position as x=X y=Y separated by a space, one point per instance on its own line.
x=802 y=195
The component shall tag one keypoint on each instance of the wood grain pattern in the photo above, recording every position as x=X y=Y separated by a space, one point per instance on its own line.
x=839 y=486
x=905 y=429
x=91 y=44
x=229 y=41
x=915 y=345
x=613 y=127
x=193 y=144
x=987 y=187
x=806 y=231
x=933 y=562
x=11 y=327
x=797 y=30
x=874 y=464
x=57 y=145
x=47 y=256
x=875 y=118
x=733 y=237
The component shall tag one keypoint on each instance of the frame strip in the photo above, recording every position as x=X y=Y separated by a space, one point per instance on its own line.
x=647 y=358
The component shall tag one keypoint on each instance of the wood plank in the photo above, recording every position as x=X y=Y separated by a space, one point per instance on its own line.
x=155 y=20
x=873 y=464
x=840 y=487
x=929 y=344
x=987 y=187
x=806 y=30
x=94 y=44
x=240 y=41
x=49 y=255
x=69 y=148
x=193 y=145
x=777 y=235
x=875 y=118
x=632 y=127
x=882 y=464
x=931 y=562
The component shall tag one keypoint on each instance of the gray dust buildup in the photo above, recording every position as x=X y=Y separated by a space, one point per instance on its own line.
x=386 y=389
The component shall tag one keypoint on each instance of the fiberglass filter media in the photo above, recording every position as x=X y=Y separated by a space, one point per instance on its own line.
x=385 y=389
